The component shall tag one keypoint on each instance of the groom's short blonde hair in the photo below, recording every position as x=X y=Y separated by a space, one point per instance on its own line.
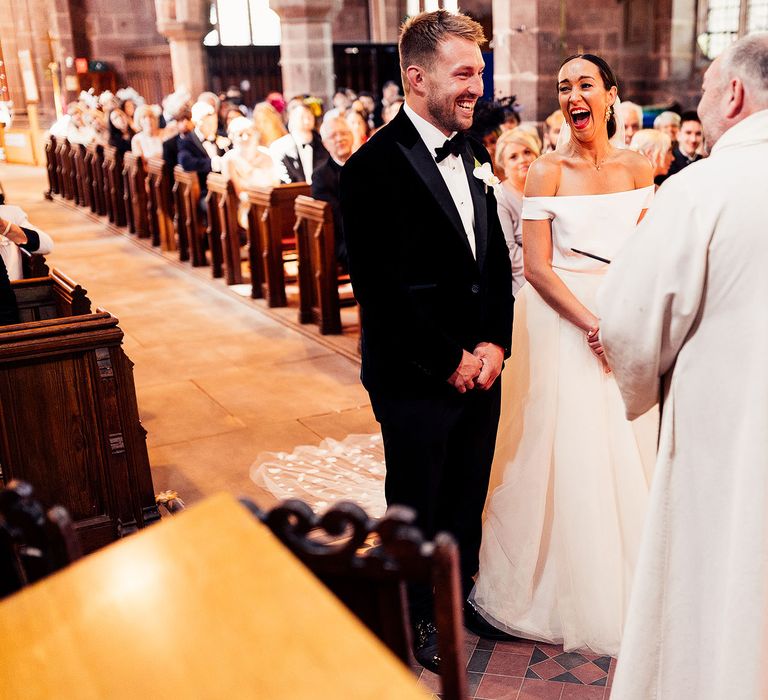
x=421 y=35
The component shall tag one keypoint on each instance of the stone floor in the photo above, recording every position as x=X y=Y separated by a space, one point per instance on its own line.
x=221 y=378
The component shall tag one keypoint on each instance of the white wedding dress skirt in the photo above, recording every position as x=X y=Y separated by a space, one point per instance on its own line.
x=571 y=478
x=569 y=484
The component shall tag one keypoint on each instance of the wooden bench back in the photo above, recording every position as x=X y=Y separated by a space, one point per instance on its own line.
x=135 y=194
x=113 y=185
x=270 y=236
x=318 y=270
x=160 y=204
x=94 y=163
x=80 y=175
x=54 y=296
x=371 y=581
x=63 y=168
x=223 y=226
x=186 y=198
x=50 y=167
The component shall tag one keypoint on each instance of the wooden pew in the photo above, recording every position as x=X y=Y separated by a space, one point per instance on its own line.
x=69 y=422
x=135 y=194
x=319 y=276
x=271 y=219
x=186 y=198
x=94 y=161
x=80 y=175
x=160 y=204
x=33 y=265
x=113 y=185
x=52 y=296
x=50 y=167
x=63 y=165
x=223 y=204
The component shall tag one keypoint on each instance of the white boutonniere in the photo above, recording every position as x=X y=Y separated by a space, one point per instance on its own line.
x=223 y=142
x=485 y=173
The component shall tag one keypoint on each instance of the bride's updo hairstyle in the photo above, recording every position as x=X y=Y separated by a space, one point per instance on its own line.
x=609 y=81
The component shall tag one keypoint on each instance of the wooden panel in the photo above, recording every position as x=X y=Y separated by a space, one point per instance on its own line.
x=366 y=66
x=149 y=72
x=160 y=204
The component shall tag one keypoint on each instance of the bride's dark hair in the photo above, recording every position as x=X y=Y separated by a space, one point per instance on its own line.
x=609 y=80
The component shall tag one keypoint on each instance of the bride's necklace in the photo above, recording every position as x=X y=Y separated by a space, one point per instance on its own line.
x=596 y=165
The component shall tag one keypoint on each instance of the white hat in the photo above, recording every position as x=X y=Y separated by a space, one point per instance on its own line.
x=201 y=110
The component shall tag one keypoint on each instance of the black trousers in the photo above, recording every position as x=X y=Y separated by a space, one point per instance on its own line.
x=438 y=450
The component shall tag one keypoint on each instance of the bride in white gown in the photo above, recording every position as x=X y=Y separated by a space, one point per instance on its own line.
x=571 y=474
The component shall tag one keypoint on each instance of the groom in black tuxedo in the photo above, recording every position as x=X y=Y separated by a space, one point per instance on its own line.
x=431 y=272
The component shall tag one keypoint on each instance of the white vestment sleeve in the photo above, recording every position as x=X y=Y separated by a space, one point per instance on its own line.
x=651 y=296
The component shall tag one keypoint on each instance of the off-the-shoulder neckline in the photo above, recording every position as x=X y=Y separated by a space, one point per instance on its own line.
x=601 y=194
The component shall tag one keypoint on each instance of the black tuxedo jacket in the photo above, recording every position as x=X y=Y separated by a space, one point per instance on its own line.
x=194 y=158
x=286 y=154
x=423 y=296
x=325 y=187
x=681 y=161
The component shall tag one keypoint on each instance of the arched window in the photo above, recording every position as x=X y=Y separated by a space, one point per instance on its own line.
x=243 y=23
x=727 y=20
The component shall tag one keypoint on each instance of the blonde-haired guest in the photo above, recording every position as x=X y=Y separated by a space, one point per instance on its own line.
x=248 y=163
x=515 y=151
x=656 y=146
x=552 y=125
x=268 y=123
x=148 y=142
x=668 y=123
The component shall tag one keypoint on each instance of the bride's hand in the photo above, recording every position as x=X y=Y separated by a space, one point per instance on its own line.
x=593 y=340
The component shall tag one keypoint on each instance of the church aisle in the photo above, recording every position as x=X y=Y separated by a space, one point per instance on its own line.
x=218 y=381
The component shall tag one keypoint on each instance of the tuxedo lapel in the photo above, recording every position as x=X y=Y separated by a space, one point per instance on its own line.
x=480 y=204
x=421 y=160
x=198 y=143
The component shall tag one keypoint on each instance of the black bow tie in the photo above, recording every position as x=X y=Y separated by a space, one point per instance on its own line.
x=451 y=147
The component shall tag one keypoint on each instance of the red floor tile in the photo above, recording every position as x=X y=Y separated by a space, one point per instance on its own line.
x=540 y=690
x=498 y=688
x=588 y=673
x=571 y=691
x=506 y=664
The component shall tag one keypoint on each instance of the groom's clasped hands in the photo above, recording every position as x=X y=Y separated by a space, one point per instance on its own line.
x=480 y=368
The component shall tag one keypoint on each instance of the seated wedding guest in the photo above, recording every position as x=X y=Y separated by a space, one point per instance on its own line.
x=201 y=149
x=338 y=140
x=515 y=151
x=181 y=124
x=486 y=125
x=229 y=112
x=16 y=232
x=633 y=119
x=130 y=101
x=214 y=100
x=689 y=141
x=121 y=131
x=372 y=110
x=341 y=104
x=72 y=126
x=530 y=129
x=300 y=152
x=511 y=115
x=390 y=111
x=359 y=126
x=552 y=125
x=268 y=123
x=148 y=142
x=656 y=146
x=277 y=100
x=668 y=123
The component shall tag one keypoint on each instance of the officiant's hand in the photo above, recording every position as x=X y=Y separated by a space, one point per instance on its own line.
x=593 y=340
x=492 y=357
x=463 y=379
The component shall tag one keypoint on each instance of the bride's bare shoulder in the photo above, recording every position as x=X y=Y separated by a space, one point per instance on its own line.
x=544 y=176
x=638 y=165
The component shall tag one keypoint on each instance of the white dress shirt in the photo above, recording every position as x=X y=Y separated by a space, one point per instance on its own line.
x=9 y=251
x=306 y=157
x=452 y=170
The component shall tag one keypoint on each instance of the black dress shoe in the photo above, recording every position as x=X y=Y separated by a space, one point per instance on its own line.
x=425 y=645
x=476 y=623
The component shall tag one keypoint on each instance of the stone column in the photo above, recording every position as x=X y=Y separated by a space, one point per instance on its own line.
x=182 y=22
x=306 y=55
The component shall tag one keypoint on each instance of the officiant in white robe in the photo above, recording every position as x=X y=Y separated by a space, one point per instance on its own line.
x=683 y=315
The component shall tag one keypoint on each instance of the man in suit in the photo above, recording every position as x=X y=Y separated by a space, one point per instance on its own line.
x=300 y=152
x=201 y=149
x=183 y=120
x=337 y=139
x=689 y=140
x=431 y=272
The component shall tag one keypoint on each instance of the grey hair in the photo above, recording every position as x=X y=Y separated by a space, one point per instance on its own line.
x=747 y=59
x=666 y=118
x=636 y=108
x=325 y=127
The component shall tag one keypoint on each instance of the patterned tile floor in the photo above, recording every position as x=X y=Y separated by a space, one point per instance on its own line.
x=529 y=671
